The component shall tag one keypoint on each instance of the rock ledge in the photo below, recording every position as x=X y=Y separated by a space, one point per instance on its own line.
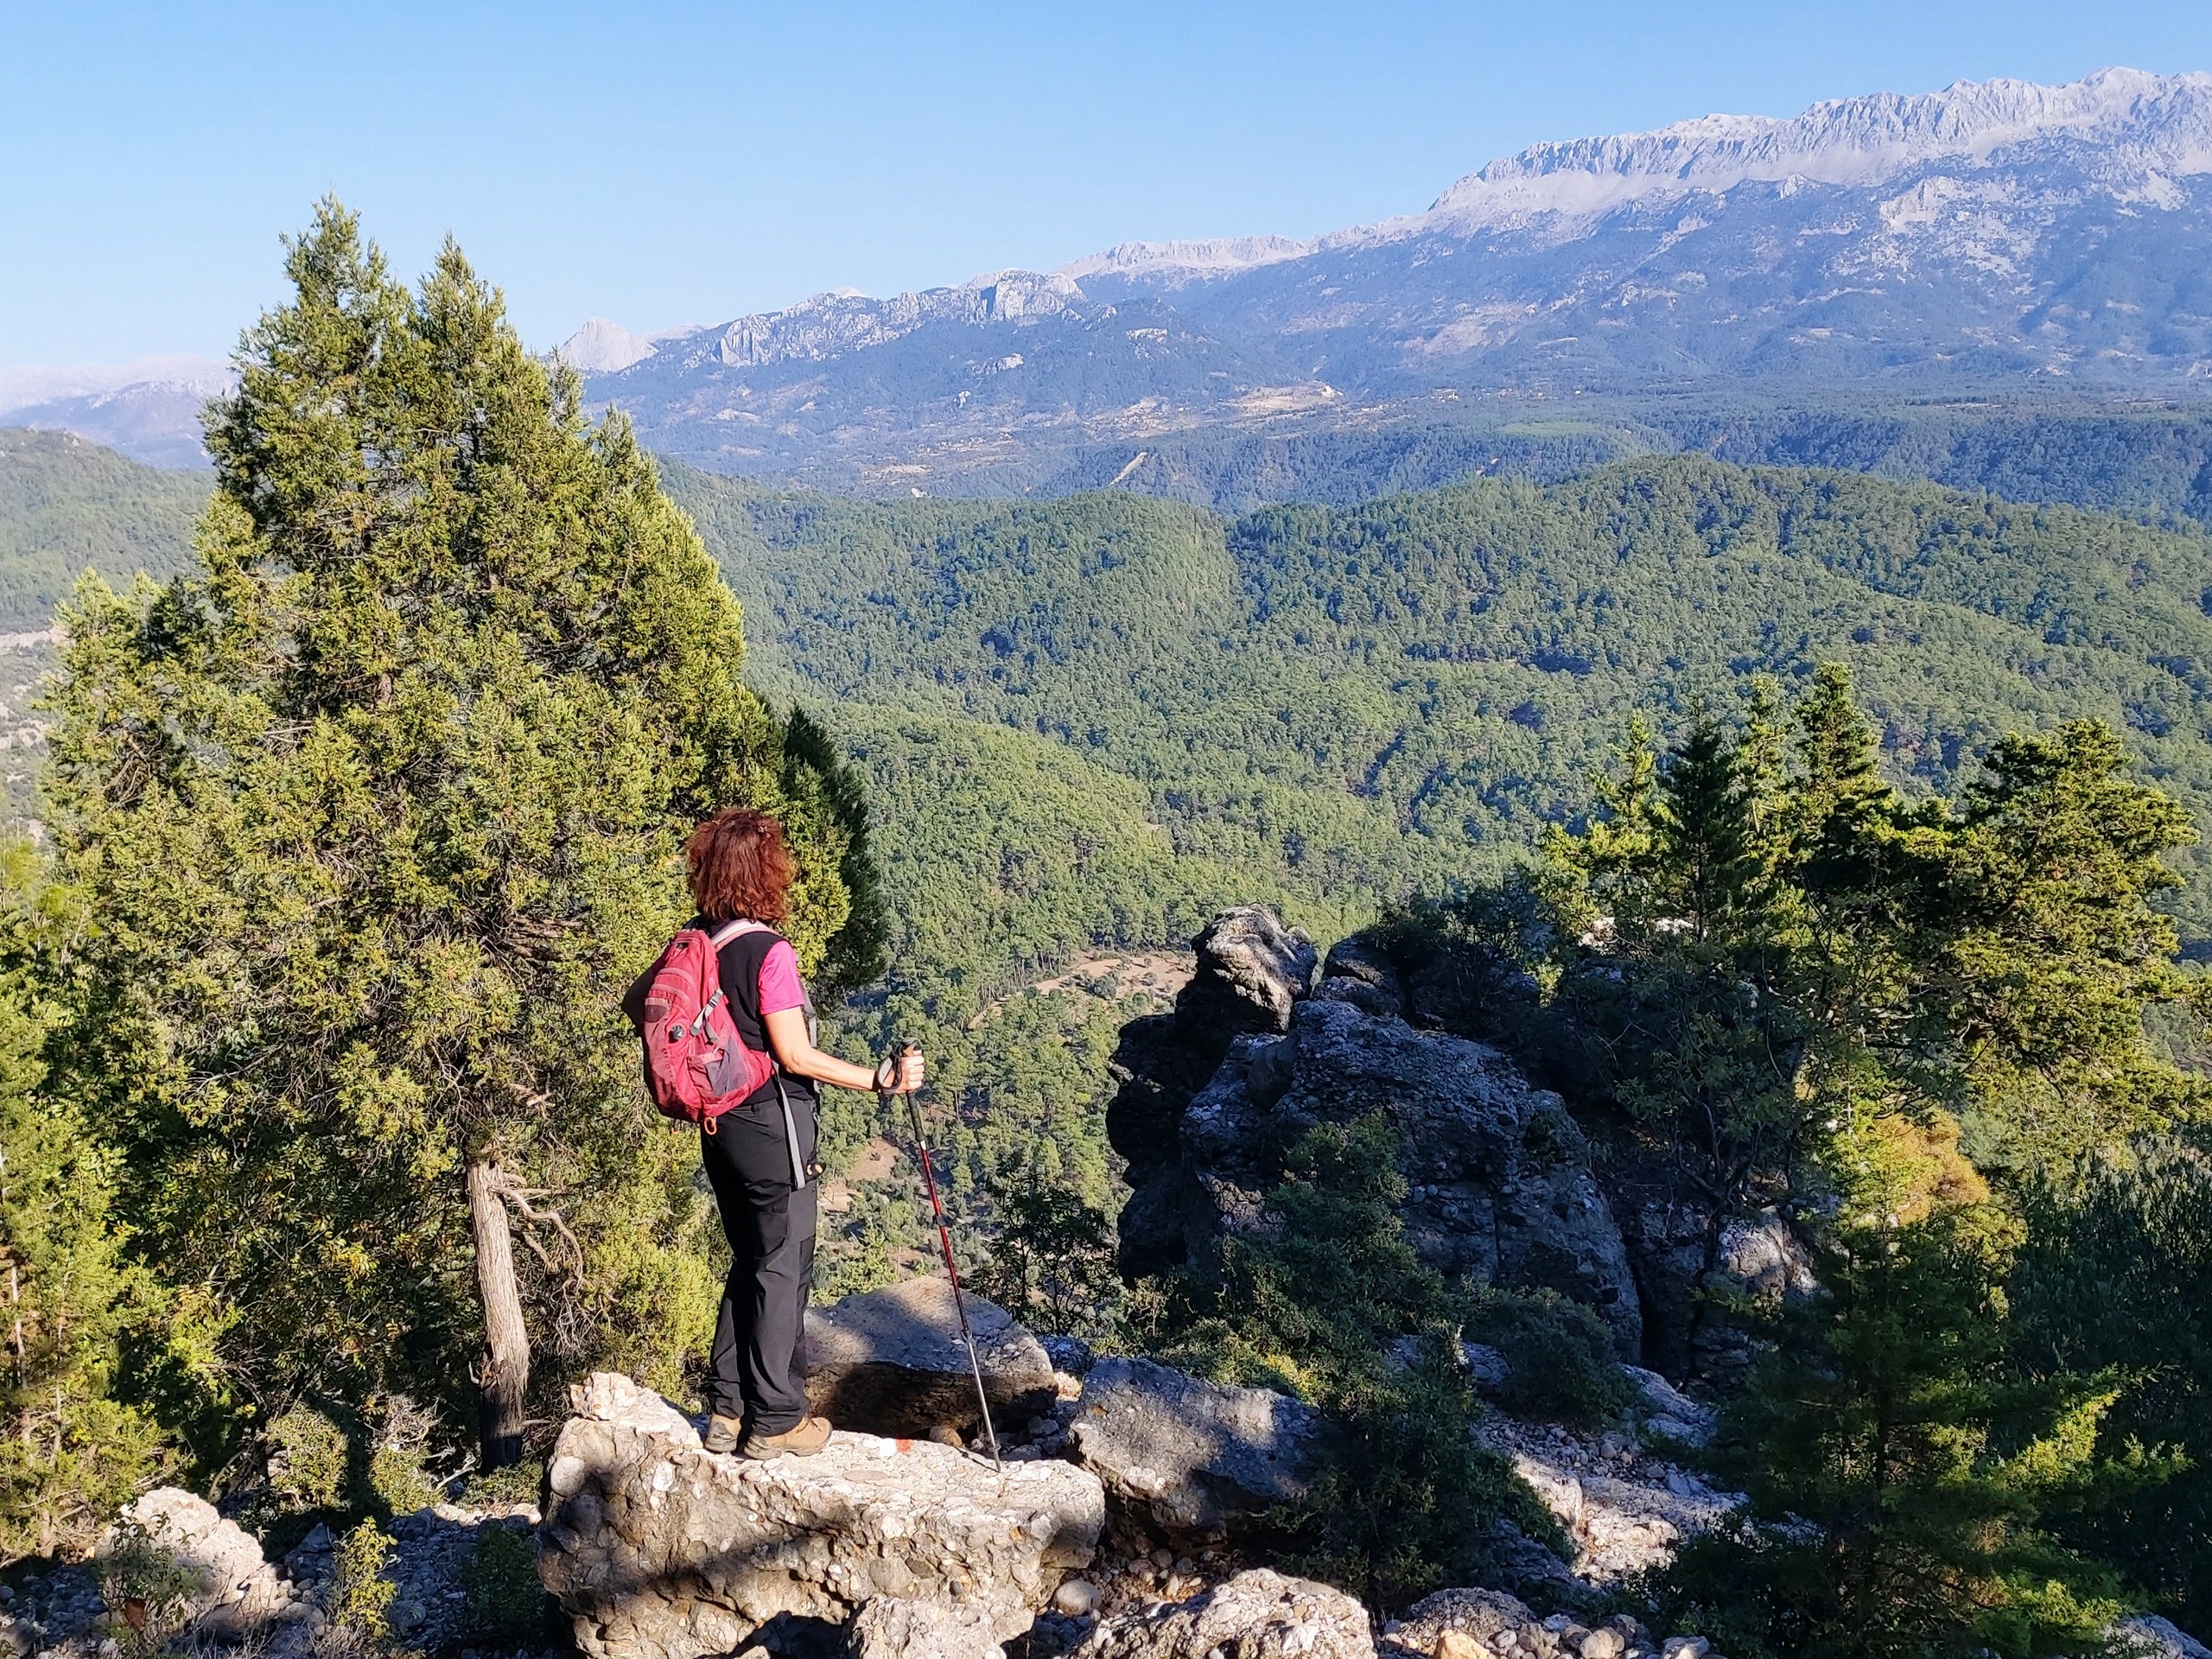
x=658 y=1549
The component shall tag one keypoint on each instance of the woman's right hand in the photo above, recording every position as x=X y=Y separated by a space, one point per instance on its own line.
x=902 y=1073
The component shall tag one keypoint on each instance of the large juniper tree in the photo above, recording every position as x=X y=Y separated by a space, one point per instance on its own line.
x=378 y=807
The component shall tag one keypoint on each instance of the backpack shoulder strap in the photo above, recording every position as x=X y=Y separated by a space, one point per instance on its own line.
x=729 y=931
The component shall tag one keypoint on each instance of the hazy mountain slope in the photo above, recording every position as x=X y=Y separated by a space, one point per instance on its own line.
x=1984 y=231
x=149 y=411
x=67 y=505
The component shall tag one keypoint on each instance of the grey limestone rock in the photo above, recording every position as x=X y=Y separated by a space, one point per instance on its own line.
x=891 y=1362
x=1257 y=1615
x=1668 y=1411
x=1251 y=970
x=1501 y=1184
x=2145 y=1635
x=658 y=1549
x=1198 y=1456
x=1491 y=1616
x=237 y=1590
x=1623 y=1511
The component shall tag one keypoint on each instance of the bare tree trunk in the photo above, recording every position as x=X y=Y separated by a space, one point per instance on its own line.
x=505 y=1376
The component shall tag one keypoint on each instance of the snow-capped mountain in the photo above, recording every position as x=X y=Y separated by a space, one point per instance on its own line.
x=1992 y=235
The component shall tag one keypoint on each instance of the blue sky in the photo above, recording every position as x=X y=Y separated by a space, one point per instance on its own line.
x=668 y=163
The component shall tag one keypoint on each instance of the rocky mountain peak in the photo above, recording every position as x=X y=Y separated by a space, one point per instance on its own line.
x=2162 y=122
x=603 y=347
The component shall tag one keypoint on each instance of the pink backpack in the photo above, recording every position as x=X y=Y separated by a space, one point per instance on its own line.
x=696 y=1066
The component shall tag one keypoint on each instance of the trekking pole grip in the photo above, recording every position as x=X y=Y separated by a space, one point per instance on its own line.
x=892 y=1067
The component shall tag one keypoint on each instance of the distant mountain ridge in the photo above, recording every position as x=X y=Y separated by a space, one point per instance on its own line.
x=148 y=409
x=1995 y=237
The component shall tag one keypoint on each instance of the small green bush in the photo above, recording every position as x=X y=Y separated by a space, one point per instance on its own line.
x=506 y=1601
x=1559 y=1353
x=1406 y=1501
x=307 y=1457
x=400 y=1478
x=148 y=1591
x=519 y=1482
x=361 y=1596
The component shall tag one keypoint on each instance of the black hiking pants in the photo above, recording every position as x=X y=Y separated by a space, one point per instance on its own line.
x=757 y=1369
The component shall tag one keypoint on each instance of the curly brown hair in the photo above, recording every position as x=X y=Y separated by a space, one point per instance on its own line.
x=740 y=867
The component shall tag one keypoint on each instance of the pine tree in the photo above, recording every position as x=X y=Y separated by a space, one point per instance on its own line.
x=1707 y=839
x=2047 y=945
x=1899 y=1468
x=70 y=1451
x=378 y=808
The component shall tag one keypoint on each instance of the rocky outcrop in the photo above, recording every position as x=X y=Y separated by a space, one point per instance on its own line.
x=234 y=1590
x=1251 y=971
x=1195 y=1456
x=1502 y=1189
x=1694 y=1267
x=658 y=1549
x=891 y=1362
x=1255 y=1615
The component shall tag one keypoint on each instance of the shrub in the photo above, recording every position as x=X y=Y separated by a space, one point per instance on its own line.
x=1051 y=1264
x=360 y=1599
x=1559 y=1356
x=505 y=1602
x=1407 y=1501
x=519 y=1482
x=308 y=1456
x=149 y=1592
x=401 y=1478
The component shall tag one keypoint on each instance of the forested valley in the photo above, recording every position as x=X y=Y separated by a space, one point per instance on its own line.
x=1829 y=841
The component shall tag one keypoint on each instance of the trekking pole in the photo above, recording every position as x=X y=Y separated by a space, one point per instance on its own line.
x=944 y=1243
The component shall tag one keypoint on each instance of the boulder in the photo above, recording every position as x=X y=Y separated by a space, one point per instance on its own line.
x=1255 y=1615
x=2146 y=1636
x=658 y=1549
x=1491 y=1617
x=235 y=1591
x=1623 y=1511
x=1196 y=1456
x=1500 y=1183
x=891 y=1362
x=1251 y=970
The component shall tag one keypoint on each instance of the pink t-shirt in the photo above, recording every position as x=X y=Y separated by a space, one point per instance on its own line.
x=780 y=986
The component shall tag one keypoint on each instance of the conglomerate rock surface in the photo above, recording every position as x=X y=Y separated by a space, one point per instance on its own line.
x=1257 y=1615
x=658 y=1549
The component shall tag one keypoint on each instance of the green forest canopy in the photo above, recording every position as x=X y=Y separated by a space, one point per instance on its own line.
x=1353 y=703
x=1335 y=704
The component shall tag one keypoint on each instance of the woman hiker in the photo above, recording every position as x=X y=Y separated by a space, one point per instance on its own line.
x=759 y=1156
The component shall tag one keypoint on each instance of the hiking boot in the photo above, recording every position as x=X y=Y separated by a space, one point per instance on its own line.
x=810 y=1435
x=722 y=1434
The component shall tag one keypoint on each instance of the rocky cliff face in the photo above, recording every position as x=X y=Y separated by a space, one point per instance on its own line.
x=1501 y=1187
